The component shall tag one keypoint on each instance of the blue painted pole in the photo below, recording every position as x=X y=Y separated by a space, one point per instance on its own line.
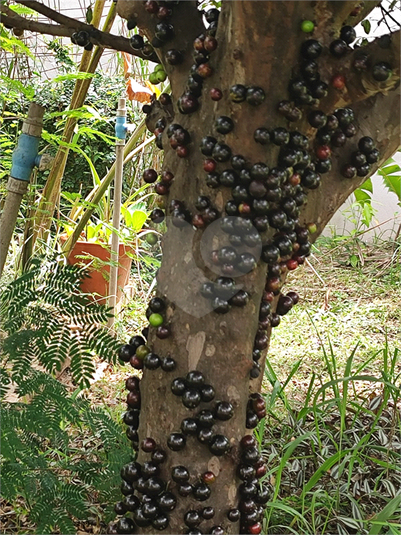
x=25 y=158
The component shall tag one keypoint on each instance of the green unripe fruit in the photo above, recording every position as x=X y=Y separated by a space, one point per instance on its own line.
x=142 y=351
x=156 y=320
x=312 y=228
x=161 y=76
x=159 y=67
x=307 y=26
x=153 y=78
x=151 y=239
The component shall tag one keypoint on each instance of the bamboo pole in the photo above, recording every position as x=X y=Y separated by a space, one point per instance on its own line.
x=51 y=190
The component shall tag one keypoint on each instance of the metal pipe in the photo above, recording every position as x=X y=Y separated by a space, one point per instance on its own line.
x=121 y=131
x=25 y=158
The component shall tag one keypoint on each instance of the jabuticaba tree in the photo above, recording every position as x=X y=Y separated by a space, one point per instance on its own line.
x=274 y=118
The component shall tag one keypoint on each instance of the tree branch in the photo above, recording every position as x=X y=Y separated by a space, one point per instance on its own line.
x=341 y=11
x=70 y=26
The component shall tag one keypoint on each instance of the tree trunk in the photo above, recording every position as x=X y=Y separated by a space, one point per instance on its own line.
x=258 y=45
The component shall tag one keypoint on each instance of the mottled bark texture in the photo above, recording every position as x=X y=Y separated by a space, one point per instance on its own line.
x=258 y=44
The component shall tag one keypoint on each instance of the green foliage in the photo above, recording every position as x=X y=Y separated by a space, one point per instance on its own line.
x=47 y=320
x=391 y=173
x=334 y=460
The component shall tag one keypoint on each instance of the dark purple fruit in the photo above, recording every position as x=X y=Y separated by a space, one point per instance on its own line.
x=180 y=474
x=338 y=48
x=251 y=455
x=233 y=515
x=358 y=158
x=338 y=139
x=189 y=426
x=207 y=393
x=345 y=116
x=195 y=379
x=168 y=364
x=246 y=472
x=137 y=42
x=228 y=178
x=263 y=495
x=240 y=299
x=221 y=306
x=348 y=171
x=224 y=410
x=205 y=435
x=201 y=492
x=224 y=124
x=188 y=103
x=157 y=215
x=126 y=488
x=178 y=386
x=167 y=501
x=348 y=34
x=317 y=119
x=219 y=445
x=221 y=152
x=238 y=93
x=151 y=361
x=192 y=518
x=191 y=398
x=120 y=509
x=366 y=145
x=262 y=136
x=349 y=130
x=208 y=513
x=255 y=96
x=205 y=418
x=149 y=176
x=164 y=31
x=160 y=522
x=217 y=530
x=176 y=441
x=125 y=525
x=381 y=71
x=159 y=456
x=149 y=509
x=174 y=57
x=280 y=136
x=184 y=489
x=131 y=502
x=311 y=49
x=373 y=157
x=126 y=352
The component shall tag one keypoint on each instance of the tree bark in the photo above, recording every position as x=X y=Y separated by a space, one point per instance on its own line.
x=258 y=44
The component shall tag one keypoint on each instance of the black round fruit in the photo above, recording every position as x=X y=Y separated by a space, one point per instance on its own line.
x=219 y=445
x=137 y=42
x=224 y=410
x=348 y=34
x=381 y=71
x=221 y=152
x=317 y=119
x=191 y=398
x=262 y=136
x=224 y=124
x=255 y=96
x=238 y=93
x=366 y=144
x=207 y=393
x=279 y=136
x=311 y=49
x=205 y=418
x=176 y=441
x=201 y=492
x=168 y=364
x=125 y=525
x=160 y=522
x=167 y=501
x=180 y=474
x=192 y=518
x=178 y=386
x=373 y=156
x=151 y=361
x=205 y=435
x=338 y=48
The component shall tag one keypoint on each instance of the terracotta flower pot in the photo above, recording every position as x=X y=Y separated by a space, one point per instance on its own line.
x=98 y=281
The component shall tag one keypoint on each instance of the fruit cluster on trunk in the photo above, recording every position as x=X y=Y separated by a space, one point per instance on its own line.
x=240 y=172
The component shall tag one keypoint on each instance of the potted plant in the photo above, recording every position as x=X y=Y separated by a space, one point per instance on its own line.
x=93 y=248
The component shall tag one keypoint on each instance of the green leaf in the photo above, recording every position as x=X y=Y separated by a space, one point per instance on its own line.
x=138 y=219
x=73 y=76
x=391 y=173
x=366 y=25
x=385 y=514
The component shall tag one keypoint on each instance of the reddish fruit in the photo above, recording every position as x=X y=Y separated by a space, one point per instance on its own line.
x=261 y=471
x=273 y=284
x=268 y=296
x=148 y=445
x=299 y=259
x=182 y=151
x=295 y=179
x=167 y=177
x=210 y=43
x=208 y=478
x=134 y=400
x=199 y=44
x=205 y=70
x=323 y=152
x=248 y=441
x=292 y=264
x=244 y=208
x=209 y=165
x=136 y=362
x=261 y=414
x=164 y=13
x=158 y=131
x=198 y=221
x=151 y=6
x=255 y=529
x=216 y=94
x=355 y=12
x=161 y=189
x=338 y=81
